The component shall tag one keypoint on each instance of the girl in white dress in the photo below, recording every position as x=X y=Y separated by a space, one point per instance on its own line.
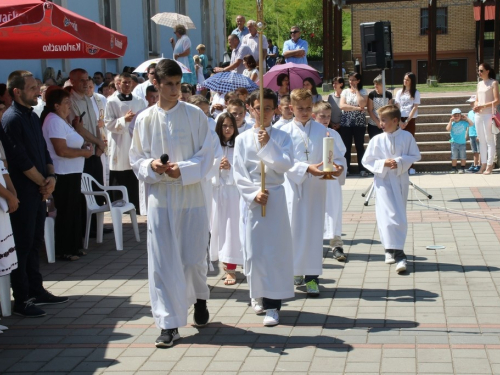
x=225 y=242
x=8 y=203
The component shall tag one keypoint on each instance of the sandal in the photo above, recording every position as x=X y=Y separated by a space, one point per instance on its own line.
x=230 y=278
x=68 y=257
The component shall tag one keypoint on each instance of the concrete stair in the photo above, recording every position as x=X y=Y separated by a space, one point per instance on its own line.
x=431 y=135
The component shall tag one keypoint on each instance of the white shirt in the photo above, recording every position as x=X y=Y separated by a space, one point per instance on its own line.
x=183 y=44
x=406 y=102
x=253 y=43
x=140 y=90
x=238 y=54
x=56 y=127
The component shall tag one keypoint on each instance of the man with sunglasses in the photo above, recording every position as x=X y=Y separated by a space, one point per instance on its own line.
x=140 y=90
x=295 y=49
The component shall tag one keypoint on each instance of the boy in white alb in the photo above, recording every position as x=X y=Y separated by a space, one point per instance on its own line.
x=267 y=247
x=305 y=192
x=322 y=113
x=388 y=156
x=120 y=110
x=177 y=210
x=286 y=112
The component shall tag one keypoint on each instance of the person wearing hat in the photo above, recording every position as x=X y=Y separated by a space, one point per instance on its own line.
x=474 y=143
x=457 y=126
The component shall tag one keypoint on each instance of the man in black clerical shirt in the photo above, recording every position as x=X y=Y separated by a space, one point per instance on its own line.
x=32 y=173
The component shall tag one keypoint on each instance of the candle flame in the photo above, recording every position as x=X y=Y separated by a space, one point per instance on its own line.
x=327 y=134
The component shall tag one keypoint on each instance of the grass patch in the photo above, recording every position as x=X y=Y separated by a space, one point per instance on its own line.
x=442 y=87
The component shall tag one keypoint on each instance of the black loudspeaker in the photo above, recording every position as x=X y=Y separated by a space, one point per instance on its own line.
x=376 y=45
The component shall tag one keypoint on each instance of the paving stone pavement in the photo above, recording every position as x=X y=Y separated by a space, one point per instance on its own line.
x=441 y=317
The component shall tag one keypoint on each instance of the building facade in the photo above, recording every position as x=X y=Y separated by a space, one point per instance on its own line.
x=145 y=39
x=456 y=39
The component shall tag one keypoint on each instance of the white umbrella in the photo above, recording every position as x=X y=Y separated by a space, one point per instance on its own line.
x=144 y=66
x=173 y=19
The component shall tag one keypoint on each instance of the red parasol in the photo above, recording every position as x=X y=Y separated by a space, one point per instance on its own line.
x=36 y=29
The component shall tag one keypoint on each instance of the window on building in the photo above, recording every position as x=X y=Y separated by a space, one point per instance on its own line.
x=109 y=14
x=180 y=6
x=152 y=30
x=441 y=20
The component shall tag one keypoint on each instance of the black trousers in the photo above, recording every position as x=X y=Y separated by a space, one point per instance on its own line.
x=93 y=167
x=348 y=133
x=68 y=228
x=28 y=224
x=130 y=181
x=269 y=304
x=373 y=130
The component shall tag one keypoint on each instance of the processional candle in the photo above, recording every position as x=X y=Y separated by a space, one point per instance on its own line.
x=328 y=146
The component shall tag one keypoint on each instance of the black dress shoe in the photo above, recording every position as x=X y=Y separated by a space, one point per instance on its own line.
x=28 y=309
x=201 y=314
x=47 y=298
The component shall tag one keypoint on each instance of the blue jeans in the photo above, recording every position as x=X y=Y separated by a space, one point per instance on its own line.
x=458 y=151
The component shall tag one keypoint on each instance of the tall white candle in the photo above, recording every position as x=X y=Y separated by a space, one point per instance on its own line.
x=328 y=147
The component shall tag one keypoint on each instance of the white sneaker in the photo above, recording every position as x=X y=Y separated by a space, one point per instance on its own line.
x=389 y=258
x=401 y=266
x=257 y=305
x=411 y=171
x=272 y=318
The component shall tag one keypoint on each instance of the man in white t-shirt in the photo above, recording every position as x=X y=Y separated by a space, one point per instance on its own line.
x=252 y=40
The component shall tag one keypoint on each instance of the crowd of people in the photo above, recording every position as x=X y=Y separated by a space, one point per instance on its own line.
x=193 y=162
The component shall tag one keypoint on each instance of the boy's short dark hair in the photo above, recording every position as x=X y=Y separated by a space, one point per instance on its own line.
x=187 y=89
x=268 y=94
x=230 y=96
x=390 y=111
x=197 y=100
x=236 y=103
x=167 y=68
x=151 y=88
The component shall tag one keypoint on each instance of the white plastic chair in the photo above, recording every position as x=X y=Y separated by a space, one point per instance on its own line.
x=5 y=295
x=117 y=209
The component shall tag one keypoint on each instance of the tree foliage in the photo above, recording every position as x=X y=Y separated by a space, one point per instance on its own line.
x=280 y=15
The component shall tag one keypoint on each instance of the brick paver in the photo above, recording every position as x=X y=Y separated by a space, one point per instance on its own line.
x=441 y=317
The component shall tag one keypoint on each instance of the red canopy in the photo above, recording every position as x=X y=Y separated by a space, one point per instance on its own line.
x=36 y=29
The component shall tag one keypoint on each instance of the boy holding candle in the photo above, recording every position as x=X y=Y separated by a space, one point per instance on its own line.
x=306 y=193
x=388 y=156
x=267 y=242
x=322 y=113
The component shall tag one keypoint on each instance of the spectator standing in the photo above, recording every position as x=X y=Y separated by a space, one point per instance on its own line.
x=241 y=30
x=67 y=150
x=203 y=59
x=353 y=120
x=334 y=100
x=309 y=84
x=272 y=54
x=474 y=144
x=457 y=126
x=408 y=100
x=252 y=40
x=182 y=53
x=140 y=90
x=238 y=52
x=251 y=70
x=376 y=101
x=32 y=174
x=295 y=49
x=98 y=80
x=487 y=97
x=5 y=96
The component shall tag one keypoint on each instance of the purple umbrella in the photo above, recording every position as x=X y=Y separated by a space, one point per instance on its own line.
x=296 y=73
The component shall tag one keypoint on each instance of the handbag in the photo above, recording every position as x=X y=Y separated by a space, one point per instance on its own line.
x=495 y=124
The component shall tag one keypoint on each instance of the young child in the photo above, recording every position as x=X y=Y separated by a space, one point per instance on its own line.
x=305 y=192
x=267 y=250
x=457 y=126
x=388 y=156
x=225 y=243
x=203 y=59
x=186 y=92
x=286 y=112
x=474 y=145
x=202 y=103
x=238 y=109
x=200 y=90
x=322 y=113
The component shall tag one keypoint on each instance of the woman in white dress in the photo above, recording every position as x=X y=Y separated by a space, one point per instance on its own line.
x=225 y=243
x=251 y=70
x=182 y=53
